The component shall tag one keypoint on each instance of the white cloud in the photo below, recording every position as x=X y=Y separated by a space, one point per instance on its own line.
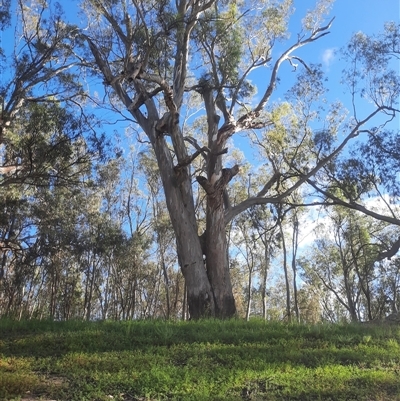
x=328 y=56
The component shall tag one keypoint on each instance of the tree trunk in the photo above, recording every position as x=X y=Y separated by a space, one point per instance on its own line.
x=295 y=244
x=264 y=278
x=215 y=184
x=216 y=257
x=285 y=268
x=184 y=302
x=209 y=293
x=166 y=284
x=179 y=199
x=350 y=301
x=250 y=284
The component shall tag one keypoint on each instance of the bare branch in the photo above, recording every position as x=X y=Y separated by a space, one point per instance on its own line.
x=303 y=177
x=243 y=121
x=105 y=69
x=11 y=169
x=269 y=184
x=354 y=205
x=390 y=252
x=112 y=21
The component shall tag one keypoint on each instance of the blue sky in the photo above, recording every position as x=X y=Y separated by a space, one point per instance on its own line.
x=351 y=16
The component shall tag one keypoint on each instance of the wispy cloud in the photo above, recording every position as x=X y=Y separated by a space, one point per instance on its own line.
x=328 y=57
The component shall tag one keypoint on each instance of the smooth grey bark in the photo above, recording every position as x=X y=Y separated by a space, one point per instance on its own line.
x=264 y=277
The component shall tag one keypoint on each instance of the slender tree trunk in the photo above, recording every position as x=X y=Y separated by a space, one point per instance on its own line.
x=393 y=304
x=350 y=302
x=184 y=302
x=250 y=284
x=362 y=274
x=53 y=289
x=107 y=294
x=166 y=283
x=133 y=299
x=351 y=307
x=29 y=296
x=264 y=280
x=91 y=289
x=285 y=269
x=295 y=244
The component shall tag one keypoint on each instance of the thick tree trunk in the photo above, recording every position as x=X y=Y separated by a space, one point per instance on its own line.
x=214 y=185
x=209 y=293
x=216 y=257
x=200 y=297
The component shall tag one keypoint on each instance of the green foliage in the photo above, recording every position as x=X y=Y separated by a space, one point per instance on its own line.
x=5 y=18
x=48 y=143
x=314 y=18
x=275 y=18
x=379 y=160
x=5 y=13
x=372 y=73
x=229 y=43
x=202 y=360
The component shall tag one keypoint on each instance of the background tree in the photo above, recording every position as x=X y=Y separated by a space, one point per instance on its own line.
x=43 y=141
x=344 y=261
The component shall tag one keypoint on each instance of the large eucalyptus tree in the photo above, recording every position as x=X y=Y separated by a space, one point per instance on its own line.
x=150 y=54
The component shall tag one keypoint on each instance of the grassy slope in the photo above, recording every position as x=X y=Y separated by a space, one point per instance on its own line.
x=206 y=360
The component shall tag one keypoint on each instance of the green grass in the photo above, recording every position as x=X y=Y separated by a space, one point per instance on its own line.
x=205 y=360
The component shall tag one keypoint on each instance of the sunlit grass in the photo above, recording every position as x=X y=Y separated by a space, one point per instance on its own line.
x=206 y=360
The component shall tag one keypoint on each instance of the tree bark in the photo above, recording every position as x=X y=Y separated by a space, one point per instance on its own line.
x=216 y=257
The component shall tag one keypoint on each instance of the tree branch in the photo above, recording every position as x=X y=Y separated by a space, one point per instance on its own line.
x=185 y=162
x=243 y=121
x=354 y=205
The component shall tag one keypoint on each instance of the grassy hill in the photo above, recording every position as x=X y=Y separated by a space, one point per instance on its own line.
x=206 y=360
